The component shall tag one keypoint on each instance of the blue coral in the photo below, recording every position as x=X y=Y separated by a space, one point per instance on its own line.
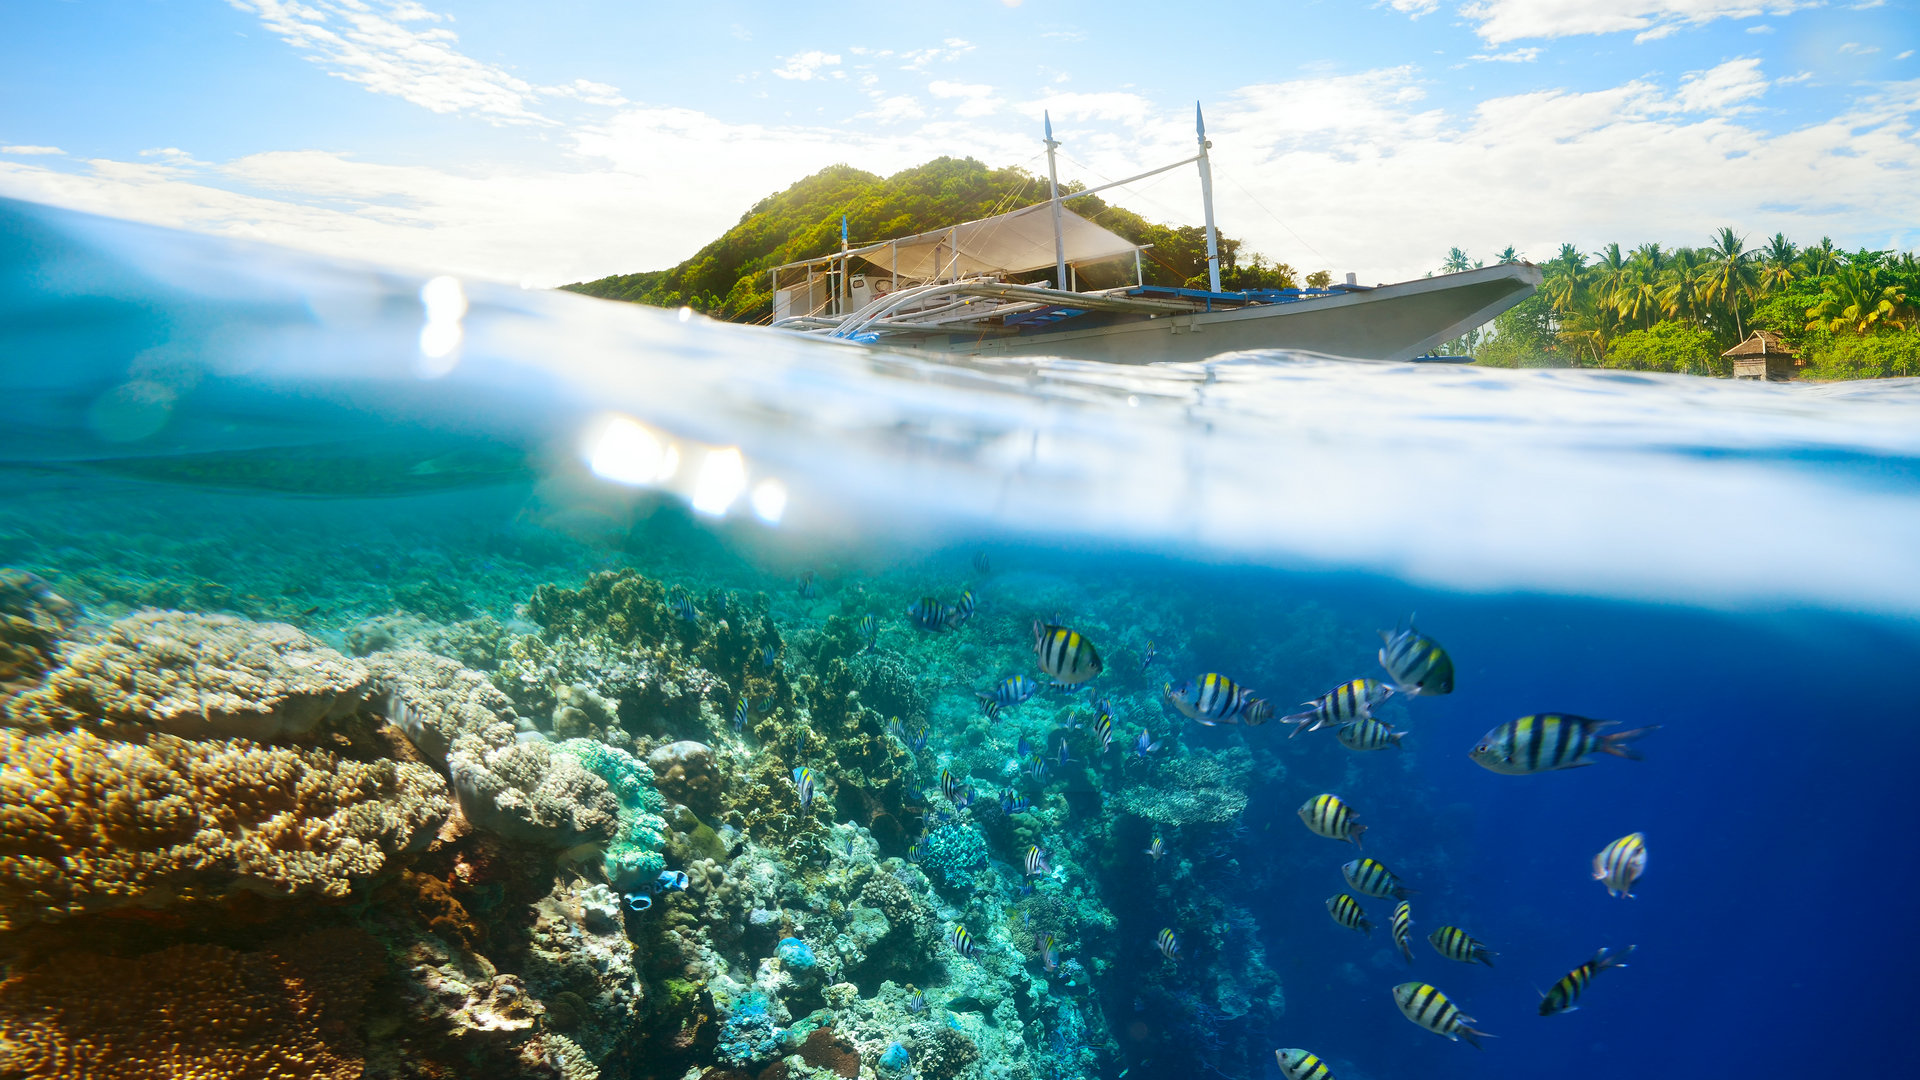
x=795 y=953
x=954 y=852
x=894 y=1061
x=749 y=1034
x=633 y=856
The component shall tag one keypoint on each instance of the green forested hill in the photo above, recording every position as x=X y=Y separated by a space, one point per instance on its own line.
x=728 y=278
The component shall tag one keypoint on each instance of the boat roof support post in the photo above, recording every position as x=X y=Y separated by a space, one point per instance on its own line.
x=1206 y=199
x=1139 y=275
x=1053 y=189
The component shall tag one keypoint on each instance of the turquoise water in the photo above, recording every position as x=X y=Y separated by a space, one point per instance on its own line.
x=385 y=460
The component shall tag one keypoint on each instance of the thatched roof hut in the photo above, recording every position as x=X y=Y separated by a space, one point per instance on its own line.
x=1763 y=356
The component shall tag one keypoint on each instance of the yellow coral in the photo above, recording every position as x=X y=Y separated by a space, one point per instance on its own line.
x=87 y=823
x=292 y=1011
x=202 y=676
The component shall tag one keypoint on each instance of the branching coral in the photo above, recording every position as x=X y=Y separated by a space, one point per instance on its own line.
x=952 y=853
x=292 y=1011
x=436 y=702
x=1189 y=790
x=86 y=823
x=200 y=676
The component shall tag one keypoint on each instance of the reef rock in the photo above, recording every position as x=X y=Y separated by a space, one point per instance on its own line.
x=197 y=676
x=87 y=823
x=686 y=772
x=33 y=621
x=437 y=702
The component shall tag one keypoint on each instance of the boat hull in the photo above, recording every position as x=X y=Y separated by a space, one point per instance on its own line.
x=1390 y=322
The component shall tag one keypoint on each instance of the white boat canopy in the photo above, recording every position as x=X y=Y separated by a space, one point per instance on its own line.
x=1011 y=243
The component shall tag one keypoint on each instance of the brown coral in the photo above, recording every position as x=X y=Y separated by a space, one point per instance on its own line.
x=86 y=823
x=200 y=676
x=437 y=702
x=195 y=1012
x=33 y=620
x=685 y=772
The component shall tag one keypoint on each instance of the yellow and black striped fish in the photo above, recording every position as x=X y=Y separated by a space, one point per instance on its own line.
x=1427 y=1006
x=1402 y=922
x=1298 y=1064
x=1547 y=741
x=1368 y=734
x=961 y=941
x=1567 y=991
x=1328 y=816
x=1621 y=863
x=1169 y=944
x=1343 y=704
x=1456 y=944
x=1215 y=699
x=1064 y=654
x=1348 y=913
x=1416 y=663
x=1368 y=876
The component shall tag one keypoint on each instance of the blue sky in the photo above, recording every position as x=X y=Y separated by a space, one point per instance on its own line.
x=549 y=143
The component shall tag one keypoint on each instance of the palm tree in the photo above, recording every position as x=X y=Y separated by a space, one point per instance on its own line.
x=1680 y=287
x=1638 y=297
x=1821 y=259
x=1566 y=279
x=1728 y=276
x=1587 y=326
x=1858 y=298
x=1610 y=273
x=1456 y=262
x=1509 y=255
x=1777 y=262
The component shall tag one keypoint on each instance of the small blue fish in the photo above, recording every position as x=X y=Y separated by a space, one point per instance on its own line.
x=683 y=607
x=1066 y=756
x=740 y=715
x=1145 y=744
x=919 y=740
x=1012 y=690
x=1014 y=804
x=916 y=1002
x=964 y=799
x=1023 y=749
x=803 y=780
x=870 y=629
x=769 y=656
x=1146 y=660
x=808 y=589
x=1025 y=888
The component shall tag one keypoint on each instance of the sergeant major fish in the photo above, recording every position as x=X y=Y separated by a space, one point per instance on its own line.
x=1368 y=734
x=1329 y=816
x=1368 y=876
x=1065 y=654
x=1298 y=1064
x=929 y=614
x=1216 y=699
x=1402 y=922
x=1416 y=663
x=1036 y=862
x=809 y=589
x=1620 y=864
x=1428 y=1007
x=1456 y=944
x=1169 y=944
x=1157 y=849
x=1012 y=690
x=1567 y=991
x=961 y=611
x=1548 y=741
x=961 y=941
x=1348 y=913
x=683 y=606
x=870 y=630
x=803 y=782
x=1343 y=704
x=740 y=715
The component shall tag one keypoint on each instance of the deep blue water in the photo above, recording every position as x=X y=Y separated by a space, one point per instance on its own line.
x=1740 y=569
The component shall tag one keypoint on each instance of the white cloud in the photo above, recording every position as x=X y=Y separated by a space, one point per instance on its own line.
x=1760 y=28
x=1500 y=21
x=1513 y=56
x=1857 y=49
x=1867 y=5
x=976 y=99
x=1110 y=105
x=1414 y=8
x=370 y=42
x=593 y=93
x=1721 y=88
x=894 y=109
x=31 y=151
x=1904 y=55
x=807 y=65
x=946 y=52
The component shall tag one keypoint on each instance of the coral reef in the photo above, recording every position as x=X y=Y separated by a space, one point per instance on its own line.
x=1199 y=788
x=290 y=1011
x=199 y=676
x=86 y=823
x=33 y=621
x=478 y=643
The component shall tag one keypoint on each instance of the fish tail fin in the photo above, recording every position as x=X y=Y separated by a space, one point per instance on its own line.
x=1474 y=1036
x=1616 y=744
x=1301 y=721
x=1353 y=834
x=1487 y=955
x=1394 y=737
x=1607 y=958
x=1401 y=892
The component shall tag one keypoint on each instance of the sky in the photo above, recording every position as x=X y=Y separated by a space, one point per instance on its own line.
x=550 y=143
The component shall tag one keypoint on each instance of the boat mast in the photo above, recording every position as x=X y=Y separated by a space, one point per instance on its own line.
x=1206 y=199
x=1053 y=187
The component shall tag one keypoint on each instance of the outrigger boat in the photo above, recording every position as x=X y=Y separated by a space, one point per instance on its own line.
x=953 y=291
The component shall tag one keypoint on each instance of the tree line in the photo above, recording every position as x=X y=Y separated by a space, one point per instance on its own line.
x=1848 y=314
